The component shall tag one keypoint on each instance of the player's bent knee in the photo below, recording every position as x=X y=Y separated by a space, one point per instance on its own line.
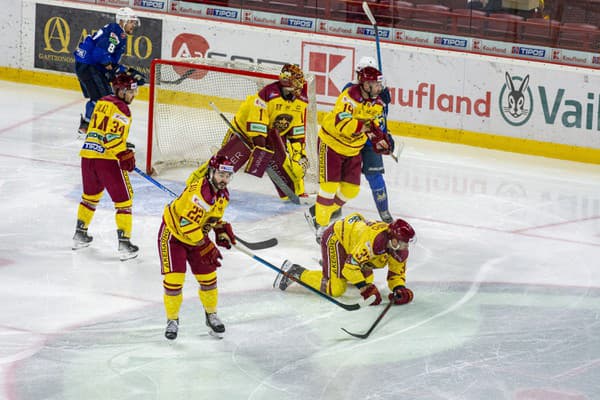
x=349 y=190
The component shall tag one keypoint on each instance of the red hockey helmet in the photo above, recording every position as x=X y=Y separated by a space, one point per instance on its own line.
x=221 y=163
x=401 y=230
x=124 y=81
x=292 y=76
x=369 y=74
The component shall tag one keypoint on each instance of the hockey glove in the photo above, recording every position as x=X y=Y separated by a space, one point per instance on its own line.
x=126 y=160
x=380 y=140
x=137 y=75
x=371 y=290
x=298 y=155
x=385 y=96
x=224 y=235
x=401 y=295
x=210 y=254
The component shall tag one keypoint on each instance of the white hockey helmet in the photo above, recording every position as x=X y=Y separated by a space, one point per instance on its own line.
x=365 y=61
x=126 y=14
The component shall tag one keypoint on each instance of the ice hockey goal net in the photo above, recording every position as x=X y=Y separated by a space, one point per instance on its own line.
x=183 y=128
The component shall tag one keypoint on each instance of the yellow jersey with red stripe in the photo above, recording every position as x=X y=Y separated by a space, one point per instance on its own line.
x=341 y=127
x=108 y=129
x=269 y=109
x=192 y=215
x=366 y=245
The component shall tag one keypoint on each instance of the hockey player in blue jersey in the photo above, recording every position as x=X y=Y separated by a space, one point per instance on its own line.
x=97 y=61
x=372 y=162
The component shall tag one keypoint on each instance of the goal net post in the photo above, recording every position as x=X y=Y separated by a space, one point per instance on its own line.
x=185 y=131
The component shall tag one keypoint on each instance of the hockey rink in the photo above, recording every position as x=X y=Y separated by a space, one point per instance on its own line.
x=505 y=271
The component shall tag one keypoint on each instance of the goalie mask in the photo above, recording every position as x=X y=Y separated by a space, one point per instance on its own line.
x=292 y=78
x=400 y=233
x=220 y=171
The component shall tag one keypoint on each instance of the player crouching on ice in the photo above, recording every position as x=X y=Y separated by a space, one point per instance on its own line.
x=273 y=123
x=183 y=237
x=351 y=248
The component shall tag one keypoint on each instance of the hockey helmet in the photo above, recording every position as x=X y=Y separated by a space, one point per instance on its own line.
x=365 y=62
x=401 y=231
x=221 y=163
x=291 y=76
x=127 y=14
x=369 y=74
x=124 y=81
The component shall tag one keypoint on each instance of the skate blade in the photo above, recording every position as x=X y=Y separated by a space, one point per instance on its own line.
x=79 y=245
x=218 y=335
x=127 y=256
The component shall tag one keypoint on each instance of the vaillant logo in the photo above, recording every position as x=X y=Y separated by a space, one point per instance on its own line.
x=516 y=100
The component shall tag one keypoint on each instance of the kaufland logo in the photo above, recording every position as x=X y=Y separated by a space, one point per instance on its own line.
x=296 y=22
x=529 y=51
x=450 y=42
x=365 y=31
x=332 y=67
x=222 y=13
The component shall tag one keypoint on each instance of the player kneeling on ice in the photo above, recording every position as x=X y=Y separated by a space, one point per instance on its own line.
x=273 y=123
x=183 y=238
x=351 y=248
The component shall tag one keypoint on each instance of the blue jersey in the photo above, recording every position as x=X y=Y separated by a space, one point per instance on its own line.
x=104 y=47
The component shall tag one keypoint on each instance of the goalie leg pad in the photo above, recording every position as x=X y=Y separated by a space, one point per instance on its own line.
x=236 y=151
x=259 y=161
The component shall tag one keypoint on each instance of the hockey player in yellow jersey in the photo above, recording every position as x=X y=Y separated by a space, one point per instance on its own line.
x=344 y=131
x=351 y=249
x=183 y=239
x=105 y=163
x=273 y=123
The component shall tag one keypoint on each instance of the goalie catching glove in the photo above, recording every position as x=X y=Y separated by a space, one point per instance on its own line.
x=224 y=235
x=401 y=295
x=381 y=141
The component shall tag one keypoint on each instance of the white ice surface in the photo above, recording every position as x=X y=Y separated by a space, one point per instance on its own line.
x=506 y=276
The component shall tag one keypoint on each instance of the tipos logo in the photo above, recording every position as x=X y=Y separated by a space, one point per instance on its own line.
x=516 y=100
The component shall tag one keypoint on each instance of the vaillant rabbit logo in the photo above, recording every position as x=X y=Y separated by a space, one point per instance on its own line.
x=516 y=100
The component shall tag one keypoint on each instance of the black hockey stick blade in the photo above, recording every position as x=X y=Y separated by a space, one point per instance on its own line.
x=367 y=333
x=177 y=81
x=265 y=244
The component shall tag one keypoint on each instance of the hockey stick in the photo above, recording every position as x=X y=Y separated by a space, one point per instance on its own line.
x=177 y=81
x=373 y=21
x=265 y=244
x=367 y=333
x=270 y=172
x=348 y=307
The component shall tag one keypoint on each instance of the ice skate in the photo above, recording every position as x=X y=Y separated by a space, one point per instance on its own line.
x=319 y=233
x=83 y=127
x=309 y=214
x=127 y=250
x=172 y=328
x=217 y=329
x=81 y=238
x=386 y=216
x=283 y=280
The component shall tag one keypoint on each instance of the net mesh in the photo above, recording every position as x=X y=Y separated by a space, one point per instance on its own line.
x=184 y=130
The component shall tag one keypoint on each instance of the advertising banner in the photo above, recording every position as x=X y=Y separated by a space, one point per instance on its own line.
x=58 y=31
x=442 y=89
